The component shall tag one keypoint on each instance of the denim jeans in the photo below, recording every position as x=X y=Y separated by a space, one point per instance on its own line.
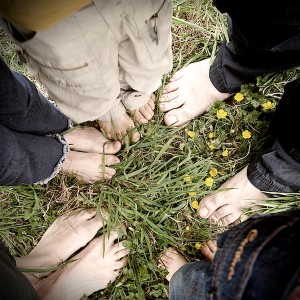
x=257 y=259
x=264 y=37
x=31 y=151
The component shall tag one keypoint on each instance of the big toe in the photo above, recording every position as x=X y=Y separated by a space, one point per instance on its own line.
x=112 y=147
x=178 y=117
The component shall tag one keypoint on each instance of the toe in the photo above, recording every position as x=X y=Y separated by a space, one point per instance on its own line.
x=173 y=103
x=111 y=147
x=109 y=160
x=210 y=204
x=178 y=117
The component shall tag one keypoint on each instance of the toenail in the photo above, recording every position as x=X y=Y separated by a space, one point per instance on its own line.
x=172 y=119
x=203 y=212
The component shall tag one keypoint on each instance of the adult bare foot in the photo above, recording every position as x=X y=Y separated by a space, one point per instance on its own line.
x=172 y=261
x=67 y=234
x=189 y=94
x=209 y=250
x=89 y=139
x=226 y=206
x=145 y=113
x=121 y=129
x=94 y=267
x=89 y=167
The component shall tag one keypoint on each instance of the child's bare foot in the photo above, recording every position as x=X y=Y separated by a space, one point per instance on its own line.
x=189 y=94
x=89 y=167
x=209 y=250
x=172 y=261
x=225 y=207
x=94 y=267
x=67 y=234
x=89 y=139
x=145 y=113
x=121 y=129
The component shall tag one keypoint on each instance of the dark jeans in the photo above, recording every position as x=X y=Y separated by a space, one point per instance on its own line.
x=30 y=149
x=14 y=285
x=257 y=259
x=265 y=37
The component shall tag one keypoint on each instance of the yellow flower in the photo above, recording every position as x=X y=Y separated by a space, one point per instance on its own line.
x=187 y=179
x=211 y=146
x=213 y=172
x=238 y=97
x=198 y=246
x=246 y=134
x=187 y=227
x=195 y=204
x=211 y=135
x=191 y=134
x=208 y=181
x=192 y=194
x=268 y=105
x=221 y=114
x=225 y=153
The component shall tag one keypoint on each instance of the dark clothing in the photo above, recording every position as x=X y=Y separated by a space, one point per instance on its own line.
x=30 y=149
x=264 y=37
x=14 y=285
x=257 y=259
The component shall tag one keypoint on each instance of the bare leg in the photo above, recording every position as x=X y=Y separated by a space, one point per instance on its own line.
x=225 y=207
x=95 y=266
x=209 y=250
x=189 y=94
x=172 y=261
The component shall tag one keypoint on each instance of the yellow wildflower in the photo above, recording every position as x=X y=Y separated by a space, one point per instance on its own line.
x=208 y=181
x=192 y=194
x=195 y=204
x=191 y=134
x=198 y=246
x=187 y=228
x=211 y=135
x=187 y=179
x=238 y=97
x=211 y=146
x=225 y=153
x=213 y=172
x=221 y=114
x=246 y=134
x=268 y=105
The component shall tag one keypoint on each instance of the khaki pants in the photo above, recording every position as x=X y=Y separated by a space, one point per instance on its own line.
x=109 y=56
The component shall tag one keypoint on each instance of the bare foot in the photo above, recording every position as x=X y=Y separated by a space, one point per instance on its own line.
x=94 y=267
x=209 y=250
x=89 y=167
x=121 y=129
x=145 y=113
x=89 y=139
x=189 y=94
x=172 y=261
x=67 y=234
x=225 y=207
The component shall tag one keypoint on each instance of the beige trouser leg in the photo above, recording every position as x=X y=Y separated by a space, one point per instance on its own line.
x=79 y=59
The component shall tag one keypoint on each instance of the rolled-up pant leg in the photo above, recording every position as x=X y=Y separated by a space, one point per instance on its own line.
x=277 y=168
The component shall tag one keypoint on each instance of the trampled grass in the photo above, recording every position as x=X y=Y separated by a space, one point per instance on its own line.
x=150 y=193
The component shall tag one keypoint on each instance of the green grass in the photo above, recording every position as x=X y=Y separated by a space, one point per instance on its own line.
x=149 y=194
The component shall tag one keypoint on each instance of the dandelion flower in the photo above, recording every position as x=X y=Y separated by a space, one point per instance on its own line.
x=191 y=134
x=221 y=114
x=192 y=194
x=209 y=181
x=213 y=172
x=268 y=105
x=187 y=179
x=246 y=134
x=211 y=146
x=198 y=246
x=195 y=204
x=211 y=135
x=225 y=153
x=187 y=228
x=238 y=97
